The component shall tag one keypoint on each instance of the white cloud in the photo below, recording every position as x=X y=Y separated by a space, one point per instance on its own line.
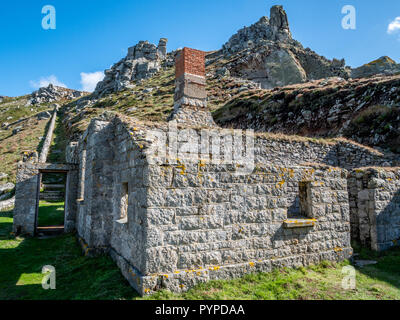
x=45 y=81
x=90 y=80
x=394 y=26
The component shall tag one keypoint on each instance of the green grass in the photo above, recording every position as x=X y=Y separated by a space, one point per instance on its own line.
x=51 y=214
x=80 y=277
x=77 y=277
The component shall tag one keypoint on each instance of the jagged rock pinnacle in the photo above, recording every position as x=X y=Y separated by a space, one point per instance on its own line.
x=279 y=23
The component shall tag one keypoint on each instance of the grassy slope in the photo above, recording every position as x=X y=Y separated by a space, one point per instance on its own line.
x=51 y=214
x=79 y=277
x=13 y=146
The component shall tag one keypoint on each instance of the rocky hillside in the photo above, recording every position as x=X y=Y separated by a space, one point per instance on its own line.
x=364 y=110
x=308 y=94
x=261 y=78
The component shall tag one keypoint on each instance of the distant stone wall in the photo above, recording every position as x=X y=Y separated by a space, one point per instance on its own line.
x=299 y=151
x=375 y=207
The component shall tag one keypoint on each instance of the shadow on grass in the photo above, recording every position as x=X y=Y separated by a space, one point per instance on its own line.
x=51 y=214
x=77 y=277
x=387 y=268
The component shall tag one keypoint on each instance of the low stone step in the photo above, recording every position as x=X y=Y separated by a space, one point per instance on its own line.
x=49 y=231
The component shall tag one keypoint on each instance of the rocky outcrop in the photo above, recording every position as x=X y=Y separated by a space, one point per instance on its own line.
x=383 y=65
x=267 y=54
x=279 y=24
x=142 y=61
x=261 y=33
x=53 y=93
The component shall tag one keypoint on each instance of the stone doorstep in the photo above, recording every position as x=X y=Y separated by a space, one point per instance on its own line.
x=363 y=263
x=299 y=223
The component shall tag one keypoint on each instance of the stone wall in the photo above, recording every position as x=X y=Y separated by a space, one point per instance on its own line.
x=338 y=153
x=195 y=221
x=49 y=136
x=27 y=195
x=110 y=165
x=208 y=223
x=375 y=207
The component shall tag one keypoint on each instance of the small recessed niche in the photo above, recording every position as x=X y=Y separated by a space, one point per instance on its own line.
x=124 y=203
x=299 y=215
x=304 y=196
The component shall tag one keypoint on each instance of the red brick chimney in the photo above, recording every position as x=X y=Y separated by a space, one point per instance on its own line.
x=190 y=99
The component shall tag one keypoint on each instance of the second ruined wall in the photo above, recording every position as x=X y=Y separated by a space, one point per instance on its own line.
x=375 y=207
x=111 y=180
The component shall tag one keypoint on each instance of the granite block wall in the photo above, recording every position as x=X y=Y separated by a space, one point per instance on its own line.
x=190 y=221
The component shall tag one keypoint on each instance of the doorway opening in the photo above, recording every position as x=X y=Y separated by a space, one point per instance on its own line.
x=50 y=214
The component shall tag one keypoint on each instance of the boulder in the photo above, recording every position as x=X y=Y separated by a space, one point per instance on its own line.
x=7 y=187
x=267 y=54
x=16 y=130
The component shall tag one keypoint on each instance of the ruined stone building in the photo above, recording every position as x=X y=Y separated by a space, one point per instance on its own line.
x=185 y=202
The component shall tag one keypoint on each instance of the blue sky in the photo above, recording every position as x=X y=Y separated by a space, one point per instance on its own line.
x=91 y=35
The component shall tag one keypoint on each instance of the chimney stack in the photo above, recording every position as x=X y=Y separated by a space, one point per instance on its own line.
x=190 y=99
